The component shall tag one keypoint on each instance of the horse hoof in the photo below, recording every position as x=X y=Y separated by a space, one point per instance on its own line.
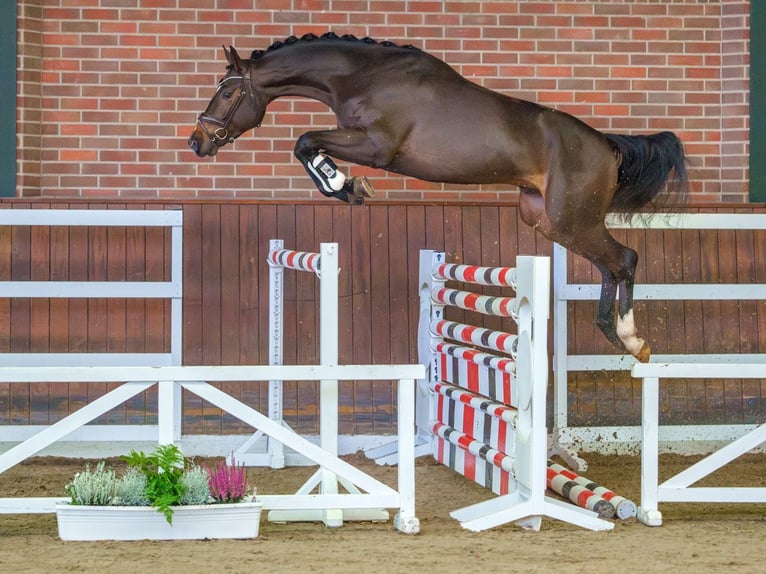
x=363 y=187
x=644 y=354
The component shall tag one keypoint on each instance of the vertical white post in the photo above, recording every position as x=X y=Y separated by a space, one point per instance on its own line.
x=328 y=355
x=539 y=289
x=648 y=512
x=560 y=319
x=176 y=302
x=406 y=521
x=168 y=421
x=422 y=396
x=437 y=312
x=176 y=327
x=276 y=452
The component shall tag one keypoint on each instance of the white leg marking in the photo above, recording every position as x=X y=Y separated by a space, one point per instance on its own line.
x=626 y=330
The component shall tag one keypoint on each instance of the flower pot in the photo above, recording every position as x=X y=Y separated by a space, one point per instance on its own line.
x=238 y=520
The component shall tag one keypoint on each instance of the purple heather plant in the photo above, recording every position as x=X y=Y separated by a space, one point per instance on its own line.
x=228 y=483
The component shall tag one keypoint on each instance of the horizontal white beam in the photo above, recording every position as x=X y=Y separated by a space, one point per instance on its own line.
x=690 y=221
x=85 y=359
x=723 y=494
x=699 y=370
x=91 y=289
x=87 y=433
x=671 y=292
x=323 y=501
x=626 y=362
x=45 y=505
x=212 y=374
x=683 y=439
x=30 y=505
x=91 y=218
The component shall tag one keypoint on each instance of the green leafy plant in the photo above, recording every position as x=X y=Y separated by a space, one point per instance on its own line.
x=163 y=469
x=93 y=488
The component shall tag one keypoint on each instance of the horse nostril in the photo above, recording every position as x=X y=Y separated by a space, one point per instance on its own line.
x=194 y=144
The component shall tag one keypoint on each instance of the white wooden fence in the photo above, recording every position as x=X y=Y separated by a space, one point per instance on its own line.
x=679 y=487
x=171 y=290
x=626 y=438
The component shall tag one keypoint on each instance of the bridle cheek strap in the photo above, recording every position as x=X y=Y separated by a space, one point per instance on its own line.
x=220 y=135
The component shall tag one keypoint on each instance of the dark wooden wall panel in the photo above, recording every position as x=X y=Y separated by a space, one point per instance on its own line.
x=226 y=306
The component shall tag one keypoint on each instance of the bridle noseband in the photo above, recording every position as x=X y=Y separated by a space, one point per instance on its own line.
x=220 y=135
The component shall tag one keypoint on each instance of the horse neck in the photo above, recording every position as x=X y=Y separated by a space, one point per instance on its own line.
x=296 y=71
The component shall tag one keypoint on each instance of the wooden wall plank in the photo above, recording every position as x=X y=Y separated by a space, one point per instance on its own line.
x=192 y=310
x=360 y=342
x=19 y=400
x=230 y=304
x=308 y=229
x=157 y=264
x=98 y=333
x=135 y=270
x=6 y=248
x=381 y=302
x=251 y=279
x=39 y=396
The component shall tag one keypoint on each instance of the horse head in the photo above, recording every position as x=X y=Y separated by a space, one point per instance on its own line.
x=234 y=109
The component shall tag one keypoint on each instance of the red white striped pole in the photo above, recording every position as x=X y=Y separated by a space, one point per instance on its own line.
x=579 y=495
x=623 y=507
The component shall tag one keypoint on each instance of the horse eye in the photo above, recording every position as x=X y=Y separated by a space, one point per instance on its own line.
x=226 y=95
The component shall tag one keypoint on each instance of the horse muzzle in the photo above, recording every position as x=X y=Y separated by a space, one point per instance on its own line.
x=200 y=144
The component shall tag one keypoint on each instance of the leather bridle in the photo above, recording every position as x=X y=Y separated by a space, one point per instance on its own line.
x=220 y=135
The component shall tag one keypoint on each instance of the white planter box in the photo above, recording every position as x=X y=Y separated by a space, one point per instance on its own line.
x=238 y=520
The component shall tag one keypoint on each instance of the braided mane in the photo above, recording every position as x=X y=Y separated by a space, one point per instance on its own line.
x=326 y=36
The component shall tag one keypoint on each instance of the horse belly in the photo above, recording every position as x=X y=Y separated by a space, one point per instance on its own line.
x=492 y=140
x=463 y=159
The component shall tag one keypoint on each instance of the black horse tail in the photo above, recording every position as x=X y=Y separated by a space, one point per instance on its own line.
x=647 y=164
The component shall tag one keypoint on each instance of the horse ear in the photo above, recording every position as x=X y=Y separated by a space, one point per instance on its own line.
x=232 y=57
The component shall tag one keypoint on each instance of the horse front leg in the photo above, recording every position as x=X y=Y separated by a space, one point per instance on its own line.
x=313 y=150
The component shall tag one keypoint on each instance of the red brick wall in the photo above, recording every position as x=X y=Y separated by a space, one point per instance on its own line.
x=108 y=92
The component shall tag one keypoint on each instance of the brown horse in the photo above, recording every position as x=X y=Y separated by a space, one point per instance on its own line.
x=405 y=111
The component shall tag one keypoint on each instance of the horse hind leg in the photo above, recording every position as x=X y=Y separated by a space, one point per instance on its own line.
x=626 y=326
x=616 y=262
x=622 y=331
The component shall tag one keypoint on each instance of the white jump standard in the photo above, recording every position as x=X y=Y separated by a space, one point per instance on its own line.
x=482 y=410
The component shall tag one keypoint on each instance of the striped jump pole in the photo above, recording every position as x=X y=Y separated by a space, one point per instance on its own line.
x=289 y=259
x=623 y=507
x=462 y=415
x=579 y=494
